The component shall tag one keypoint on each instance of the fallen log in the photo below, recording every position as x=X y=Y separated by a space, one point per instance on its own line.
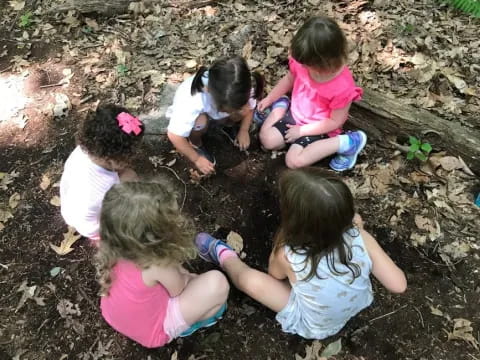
x=379 y=115
x=117 y=7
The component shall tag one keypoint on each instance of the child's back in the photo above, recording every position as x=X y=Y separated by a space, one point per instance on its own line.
x=134 y=308
x=82 y=188
x=320 y=306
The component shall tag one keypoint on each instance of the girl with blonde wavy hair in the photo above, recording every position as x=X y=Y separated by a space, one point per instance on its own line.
x=147 y=294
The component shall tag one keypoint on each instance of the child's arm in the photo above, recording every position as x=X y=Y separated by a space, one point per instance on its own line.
x=186 y=149
x=383 y=267
x=336 y=121
x=174 y=278
x=278 y=264
x=283 y=86
x=243 y=137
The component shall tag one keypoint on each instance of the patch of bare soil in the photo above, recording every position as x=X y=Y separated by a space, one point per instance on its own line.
x=422 y=214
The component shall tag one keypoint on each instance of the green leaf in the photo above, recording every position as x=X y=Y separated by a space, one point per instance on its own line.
x=410 y=155
x=414 y=147
x=332 y=349
x=420 y=156
x=413 y=140
x=426 y=147
x=55 y=271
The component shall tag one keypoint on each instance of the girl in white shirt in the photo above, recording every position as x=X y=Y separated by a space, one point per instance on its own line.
x=107 y=140
x=222 y=91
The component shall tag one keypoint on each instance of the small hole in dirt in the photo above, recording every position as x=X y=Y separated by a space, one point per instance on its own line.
x=39 y=78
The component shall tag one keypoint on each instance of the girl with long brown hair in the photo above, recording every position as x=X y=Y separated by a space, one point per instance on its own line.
x=318 y=275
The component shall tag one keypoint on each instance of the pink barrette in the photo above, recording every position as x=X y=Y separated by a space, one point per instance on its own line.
x=129 y=123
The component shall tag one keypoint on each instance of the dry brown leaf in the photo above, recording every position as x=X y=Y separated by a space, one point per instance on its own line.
x=436 y=311
x=190 y=64
x=45 y=182
x=235 y=241
x=312 y=352
x=14 y=200
x=55 y=201
x=247 y=50
x=69 y=238
x=418 y=239
x=450 y=163
x=17 y=5
x=462 y=330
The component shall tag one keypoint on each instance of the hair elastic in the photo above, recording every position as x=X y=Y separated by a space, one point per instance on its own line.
x=129 y=123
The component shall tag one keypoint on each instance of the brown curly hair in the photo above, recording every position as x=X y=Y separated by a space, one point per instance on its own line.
x=142 y=223
x=99 y=135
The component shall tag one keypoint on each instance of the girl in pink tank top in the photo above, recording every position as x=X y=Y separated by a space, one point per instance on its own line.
x=322 y=89
x=147 y=294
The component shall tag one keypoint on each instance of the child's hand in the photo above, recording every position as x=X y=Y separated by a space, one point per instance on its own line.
x=263 y=104
x=205 y=166
x=242 y=140
x=293 y=133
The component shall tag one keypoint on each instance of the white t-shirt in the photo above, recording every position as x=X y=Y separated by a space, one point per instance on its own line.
x=186 y=108
x=82 y=188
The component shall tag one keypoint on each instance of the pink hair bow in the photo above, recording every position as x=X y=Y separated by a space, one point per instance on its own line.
x=129 y=123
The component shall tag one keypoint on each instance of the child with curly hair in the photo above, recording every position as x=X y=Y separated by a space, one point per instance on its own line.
x=322 y=91
x=147 y=294
x=223 y=91
x=107 y=140
x=319 y=270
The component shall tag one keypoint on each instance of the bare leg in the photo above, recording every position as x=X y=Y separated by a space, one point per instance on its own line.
x=270 y=137
x=201 y=123
x=271 y=292
x=298 y=156
x=203 y=296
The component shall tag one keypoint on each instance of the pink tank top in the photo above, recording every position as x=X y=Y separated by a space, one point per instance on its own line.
x=134 y=309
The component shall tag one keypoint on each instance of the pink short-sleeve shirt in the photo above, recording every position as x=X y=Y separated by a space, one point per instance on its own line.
x=313 y=101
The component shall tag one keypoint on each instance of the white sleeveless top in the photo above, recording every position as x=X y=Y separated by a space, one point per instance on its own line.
x=320 y=307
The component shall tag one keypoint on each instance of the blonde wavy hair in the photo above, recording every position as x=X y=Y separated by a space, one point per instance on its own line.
x=142 y=223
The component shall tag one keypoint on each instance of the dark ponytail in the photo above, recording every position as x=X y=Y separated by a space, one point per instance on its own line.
x=197 y=83
x=259 y=85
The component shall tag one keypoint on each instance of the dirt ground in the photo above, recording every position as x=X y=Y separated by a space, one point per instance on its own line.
x=422 y=214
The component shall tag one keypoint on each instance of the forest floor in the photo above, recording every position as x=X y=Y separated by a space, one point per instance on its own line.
x=54 y=67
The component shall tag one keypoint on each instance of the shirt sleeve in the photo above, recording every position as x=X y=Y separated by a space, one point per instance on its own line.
x=346 y=97
x=183 y=113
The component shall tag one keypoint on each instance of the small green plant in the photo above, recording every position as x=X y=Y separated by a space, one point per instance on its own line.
x=418 y=149
x=26 y=20
x=122 y=69
x=407 y=29
x=471 y=7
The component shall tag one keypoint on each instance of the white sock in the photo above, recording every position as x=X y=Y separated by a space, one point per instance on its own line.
x=345 y=144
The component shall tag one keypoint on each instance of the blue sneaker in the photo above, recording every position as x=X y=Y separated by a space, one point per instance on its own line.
x=207 y=247
x=205 y=323
x=347 y=160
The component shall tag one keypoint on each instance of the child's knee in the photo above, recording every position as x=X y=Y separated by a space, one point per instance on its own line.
x=217 y=284
x=293 y=161
x=267 y=138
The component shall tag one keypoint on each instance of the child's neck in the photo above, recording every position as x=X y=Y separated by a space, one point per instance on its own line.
x=106 y=164
x=322 y=77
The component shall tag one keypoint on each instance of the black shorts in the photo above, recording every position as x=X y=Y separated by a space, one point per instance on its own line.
x=303 y=141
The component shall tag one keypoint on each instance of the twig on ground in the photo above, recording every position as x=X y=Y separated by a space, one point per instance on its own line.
x=421 y=317
x=402 y=148
x=6 y=69
x=85 y=99
x=387 y=314
x=51 y=85
x=4 y=266
x=179 y=179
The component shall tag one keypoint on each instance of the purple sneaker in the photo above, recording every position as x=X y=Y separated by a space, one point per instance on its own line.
x=207 y=247
x=348 y=159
